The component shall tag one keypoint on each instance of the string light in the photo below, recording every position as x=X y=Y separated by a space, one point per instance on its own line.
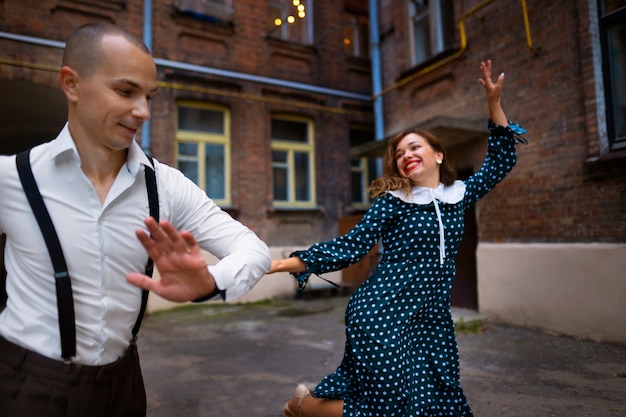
x=291 y=19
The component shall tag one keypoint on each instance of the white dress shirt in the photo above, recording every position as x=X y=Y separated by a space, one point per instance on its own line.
x=100 y=248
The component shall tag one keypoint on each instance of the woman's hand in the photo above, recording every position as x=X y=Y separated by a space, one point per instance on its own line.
x=493 y=90
x=293 y=264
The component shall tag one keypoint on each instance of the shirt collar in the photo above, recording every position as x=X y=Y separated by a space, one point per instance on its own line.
x=448 y=194
x=64 y=144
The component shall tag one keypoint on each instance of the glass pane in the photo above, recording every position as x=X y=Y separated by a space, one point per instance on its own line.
x=279 y=158
x=303 y=187
x=358 y=191
x=448 y=25
x=609 y=6
x=290 y=130
x=349 y=36
x=296 y=31
x=421 y=30
x=280 y=184
x=360 y=136
x=188 y=160
x=215 y=171
x=617 y=59
x=275 y=12
x=188 y=149
x=280 y=172
x=200 y=120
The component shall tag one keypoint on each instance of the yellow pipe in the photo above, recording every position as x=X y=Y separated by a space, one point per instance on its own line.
x=529 y=41
x=29 y=65
x=461 y=50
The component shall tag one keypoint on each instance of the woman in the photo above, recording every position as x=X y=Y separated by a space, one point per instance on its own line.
x=401 y=356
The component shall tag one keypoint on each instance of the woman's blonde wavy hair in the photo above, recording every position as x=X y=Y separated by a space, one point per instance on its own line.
x=391 y=178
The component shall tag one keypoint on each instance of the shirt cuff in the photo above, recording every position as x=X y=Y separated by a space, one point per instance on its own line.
x=215 y=293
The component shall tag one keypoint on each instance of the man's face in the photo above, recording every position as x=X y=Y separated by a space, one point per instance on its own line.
x=113 y=102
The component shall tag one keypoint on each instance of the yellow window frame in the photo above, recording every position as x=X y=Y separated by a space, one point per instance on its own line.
x=291 y=148
x=202 y=138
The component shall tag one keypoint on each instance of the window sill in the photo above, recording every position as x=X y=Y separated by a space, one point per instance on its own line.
x=615 y=156
x=193 y=21
x=298 y=210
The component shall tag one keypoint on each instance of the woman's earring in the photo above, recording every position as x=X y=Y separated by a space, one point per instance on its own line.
x=439 y=161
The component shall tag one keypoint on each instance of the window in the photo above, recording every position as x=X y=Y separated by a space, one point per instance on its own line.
x=203 y=148
x=363 y=170
x=356 y=35
x=432 y=28
x=292 y=20
x=293 y=162
x=209 y=10
x=613 y=41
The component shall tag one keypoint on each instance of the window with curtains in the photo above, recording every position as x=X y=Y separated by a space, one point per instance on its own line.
x=613 y=42
x=432 y=28
x=293 y=174
x=203 y=148
x=291 y=20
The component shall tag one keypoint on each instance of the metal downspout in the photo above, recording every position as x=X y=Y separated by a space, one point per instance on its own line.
x=379 y=122
x=147 y=39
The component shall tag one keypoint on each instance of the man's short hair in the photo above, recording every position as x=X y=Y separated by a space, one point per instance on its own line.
x=83 y=50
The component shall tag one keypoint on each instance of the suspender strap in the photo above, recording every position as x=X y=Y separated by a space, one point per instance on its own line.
x=153 y=200
x=65 y=301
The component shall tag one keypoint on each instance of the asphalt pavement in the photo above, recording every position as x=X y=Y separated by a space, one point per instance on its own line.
x=244 y=360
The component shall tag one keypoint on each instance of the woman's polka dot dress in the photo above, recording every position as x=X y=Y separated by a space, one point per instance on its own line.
x=401 y=356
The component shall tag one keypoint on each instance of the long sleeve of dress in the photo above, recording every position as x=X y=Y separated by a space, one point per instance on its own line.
x=347 y=249
x=499 y=161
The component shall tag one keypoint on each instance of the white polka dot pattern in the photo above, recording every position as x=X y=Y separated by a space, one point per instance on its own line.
x=401 y=356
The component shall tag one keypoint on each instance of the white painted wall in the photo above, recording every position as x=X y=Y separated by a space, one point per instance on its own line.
x=573 y=289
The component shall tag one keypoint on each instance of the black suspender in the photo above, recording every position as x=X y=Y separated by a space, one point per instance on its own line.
x=153 y=201
x=65 y=300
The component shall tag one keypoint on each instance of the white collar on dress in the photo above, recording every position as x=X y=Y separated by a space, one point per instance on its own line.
x=448 y=194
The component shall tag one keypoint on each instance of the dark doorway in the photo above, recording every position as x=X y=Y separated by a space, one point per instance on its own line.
x=465 y=290
x=30 y=114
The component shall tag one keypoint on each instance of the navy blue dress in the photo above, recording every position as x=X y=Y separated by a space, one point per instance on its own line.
x=401 y=357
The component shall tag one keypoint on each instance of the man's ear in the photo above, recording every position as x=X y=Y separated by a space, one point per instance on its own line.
x=69 y=83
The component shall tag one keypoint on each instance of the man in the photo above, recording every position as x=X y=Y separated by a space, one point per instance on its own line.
x=93 y=185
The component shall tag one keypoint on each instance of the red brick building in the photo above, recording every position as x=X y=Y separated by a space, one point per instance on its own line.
x=259 y=115
x=549 y=243
x=274 y=122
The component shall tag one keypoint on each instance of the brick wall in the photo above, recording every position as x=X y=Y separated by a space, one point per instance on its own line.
x=554 y=194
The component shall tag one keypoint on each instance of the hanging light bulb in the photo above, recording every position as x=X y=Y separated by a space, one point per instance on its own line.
x=296 y=2
x=278 y=21
x=301 y=14
x=291 y=19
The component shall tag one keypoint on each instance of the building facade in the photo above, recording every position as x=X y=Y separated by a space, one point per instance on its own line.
x=550 y=240
x=257 y=102
x=282 y=123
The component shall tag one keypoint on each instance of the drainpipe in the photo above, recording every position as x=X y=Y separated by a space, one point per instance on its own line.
x=377 y=85
x=147 y=39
